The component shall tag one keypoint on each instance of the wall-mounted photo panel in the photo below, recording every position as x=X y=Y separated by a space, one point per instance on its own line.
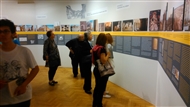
x=75 y=28
x=32 y=40
x=127 y=25
x=90 y=25
x=40 y=38
x=82 y=25
x=65 y=28
x=108 y=26
x=40 y=27
x=95 y=25
x=116 y=26
x=140 y=24
x=29 y=27
x=187 y=16
x=20 y=28
x=49 y=28
x=57 y=28
x=154 y=20
x=101 y=27
x=178 y=18
x=163 y=18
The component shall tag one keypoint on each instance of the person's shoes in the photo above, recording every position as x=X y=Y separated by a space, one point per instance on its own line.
x=75 y=76
x=51 y=83
x=106 y=96
x=88 y=92
x=55 y=82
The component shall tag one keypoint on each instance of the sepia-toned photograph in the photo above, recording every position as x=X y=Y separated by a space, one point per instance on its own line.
x=20 y=27
x=75 y=28
x=127 y=25
x=140 y=24
x=65 y=28
x=40 y=27
x=101 y=27
x=116 y=26
x=154 y=20
x=163 y=19
x=108 y=26
x=178 y=18
x=187 y=16
x=57 y=28
x=82 y=25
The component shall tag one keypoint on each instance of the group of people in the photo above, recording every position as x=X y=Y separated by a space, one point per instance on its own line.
x=17 y=62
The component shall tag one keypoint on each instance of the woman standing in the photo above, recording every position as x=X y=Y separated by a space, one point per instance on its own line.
x=51 y=53
x=99 y=52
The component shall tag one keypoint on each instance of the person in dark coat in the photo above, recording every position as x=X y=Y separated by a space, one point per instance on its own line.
x=75 y=47
x=51 y=53
x=87 y=62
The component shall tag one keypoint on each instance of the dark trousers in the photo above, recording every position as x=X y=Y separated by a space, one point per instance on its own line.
x=99 y=88
x=87 y=76
x=52 y=71
x=22 y=104
x=75 y=62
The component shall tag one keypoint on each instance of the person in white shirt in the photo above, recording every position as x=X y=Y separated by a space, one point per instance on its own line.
x=15 y=62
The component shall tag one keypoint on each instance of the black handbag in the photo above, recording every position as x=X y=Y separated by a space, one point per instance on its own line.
x=105 y=69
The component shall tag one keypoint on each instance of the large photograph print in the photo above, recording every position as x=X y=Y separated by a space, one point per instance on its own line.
x=163 y=18
x=154 y=20
x=127 y=25
x=82 y=25
x=187 y=16
x=108 y=26
x=116 y=26
x=140 y=24
x=101 y=27
x=178 y=18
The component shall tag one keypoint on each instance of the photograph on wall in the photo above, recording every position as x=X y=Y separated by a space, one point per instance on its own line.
x=65 y=28
x=49 y=27
x=101 y=27
x=82 y=25
x=108 y=26
x=175 y=72
x=75 y=28
x=40 y=27
x=127 y=25
x=140 y=24
x=40 y=36
x=29 y=27
x=187 y=16
x=163 y=18
x=95 y=25
x=154 y=20
x=155 y=43
x=57 y=28
x=20 y=27
x=76 y=11
x=90 y=25
x=178 y=18
x=116 y=26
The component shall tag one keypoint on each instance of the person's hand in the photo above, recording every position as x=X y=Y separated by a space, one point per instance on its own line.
x=2 y=84
x=20 y=90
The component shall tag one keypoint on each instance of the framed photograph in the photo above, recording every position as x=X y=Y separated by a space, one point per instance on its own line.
x=140 y=24
x=127 y=25
x=40 y=27
x=20 y=28
x=116 y=26
x=154 y=20
x=187 y=15
x=90 y=25
x=29 y=27
x=49 y=28
x=178 y=18
x=101 y=27
x=75 y=28
x=108 y=26
x=65 y=28
x=82 y=25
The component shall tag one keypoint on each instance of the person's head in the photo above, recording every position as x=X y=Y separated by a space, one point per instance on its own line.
x=81 y=37
x=109 y=38
x=101 y=40
x=50 y=34
x=7 y=30
x=88 y=36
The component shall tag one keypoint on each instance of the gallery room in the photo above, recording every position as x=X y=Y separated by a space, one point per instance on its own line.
x=151 y=49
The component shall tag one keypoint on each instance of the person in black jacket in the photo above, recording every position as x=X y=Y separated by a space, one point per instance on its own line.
x=75 y=47
x=87 y=62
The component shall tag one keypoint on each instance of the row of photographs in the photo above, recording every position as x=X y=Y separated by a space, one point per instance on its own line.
x=175 y=17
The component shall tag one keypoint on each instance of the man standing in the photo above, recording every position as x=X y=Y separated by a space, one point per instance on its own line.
x=75 y=47
x=15 y=63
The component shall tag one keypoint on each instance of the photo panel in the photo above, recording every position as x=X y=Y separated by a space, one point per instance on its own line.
x=82 y=25
x=101 y=27
x=127 y=25
x=163 y=18
x=178 y=18
x=95 y=25
x=29 y=27
x=57 y=28
x=49 y=28
x=187 y=15
x=108 y=26
x=154 y=20
x=75 y=28
x=116 y=26
x=40 y=27
x=65 y=28
x=90 y=25
x=20 y=28
x=140 y=24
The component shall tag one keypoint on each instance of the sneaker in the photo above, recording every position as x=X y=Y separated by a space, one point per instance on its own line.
x=107 y=96
x=51 y=83
x=55 y=82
